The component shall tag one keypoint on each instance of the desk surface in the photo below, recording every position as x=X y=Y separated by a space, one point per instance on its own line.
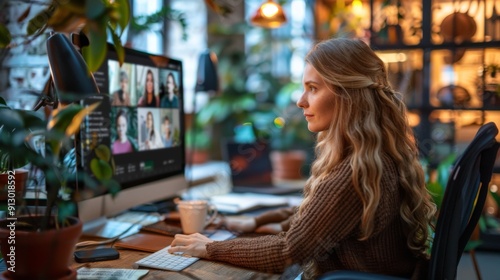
x=202 y=269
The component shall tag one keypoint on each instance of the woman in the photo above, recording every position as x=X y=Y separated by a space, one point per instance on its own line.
x=153 y=140
x=365 y=206
x=167 y=138
x=121 y=97
x=170 y=99
x=122 y=144
x=149 y=98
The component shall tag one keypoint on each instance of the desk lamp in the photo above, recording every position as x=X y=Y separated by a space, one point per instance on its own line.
x=70 y=75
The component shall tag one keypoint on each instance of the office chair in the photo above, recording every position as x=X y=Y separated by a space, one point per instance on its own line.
x=460 y=211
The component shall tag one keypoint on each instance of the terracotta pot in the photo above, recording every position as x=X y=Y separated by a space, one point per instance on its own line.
x=38 y=255
x=19 y=177
x=288 y=165
x=196 y=156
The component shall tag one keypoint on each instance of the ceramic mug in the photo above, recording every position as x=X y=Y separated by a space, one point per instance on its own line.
x=195 y=215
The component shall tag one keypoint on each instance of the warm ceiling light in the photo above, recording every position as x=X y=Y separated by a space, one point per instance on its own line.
x=269 y=15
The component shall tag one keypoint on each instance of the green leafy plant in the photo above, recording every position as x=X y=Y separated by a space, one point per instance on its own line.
x=197 y=139
x=96 y=18
x=144 y=22
x=436 y=183
x=19 y=127
x=15 y=154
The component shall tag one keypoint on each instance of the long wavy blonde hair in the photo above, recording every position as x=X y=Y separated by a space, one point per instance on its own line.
x=370 y=123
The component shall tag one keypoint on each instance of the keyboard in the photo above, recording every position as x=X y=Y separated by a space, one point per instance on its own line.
x=162 y=259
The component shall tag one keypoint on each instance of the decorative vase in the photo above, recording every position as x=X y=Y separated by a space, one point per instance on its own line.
x=31 y=254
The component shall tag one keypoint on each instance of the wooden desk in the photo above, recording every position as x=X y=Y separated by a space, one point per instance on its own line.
x=202 y=269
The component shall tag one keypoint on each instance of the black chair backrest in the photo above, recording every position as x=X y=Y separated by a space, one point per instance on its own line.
x=463 y=201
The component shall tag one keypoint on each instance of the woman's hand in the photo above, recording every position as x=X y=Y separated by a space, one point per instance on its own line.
x=193 y=245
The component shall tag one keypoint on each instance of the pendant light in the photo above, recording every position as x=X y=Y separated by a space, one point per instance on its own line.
x=269 y=15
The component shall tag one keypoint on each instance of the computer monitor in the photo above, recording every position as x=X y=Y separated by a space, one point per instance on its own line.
x=145 y=134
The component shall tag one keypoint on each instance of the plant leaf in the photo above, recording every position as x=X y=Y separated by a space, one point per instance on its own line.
x=61 y=118
x=94 y=9
x=65 y=209
x=437 y=193
x=64 y=20
x=112 y=186
x=120 y=51
x=39 y=21
x=496 y=197
x=95 y=54
x=101 y=169
x=11 y=120
x=32 y=120
x=5 y=36
x=24 y=15
x=472 y=244
x=103 y=152
x=74 y=125
x=75 y=6
x=123 y=10
x=68 y=119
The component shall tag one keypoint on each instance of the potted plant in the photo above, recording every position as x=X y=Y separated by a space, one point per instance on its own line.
x=198 y=144
x=38 y=236
x=39 y=244
x=291 y=141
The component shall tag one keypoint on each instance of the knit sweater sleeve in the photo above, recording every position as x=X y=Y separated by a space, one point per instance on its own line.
x=331 y=215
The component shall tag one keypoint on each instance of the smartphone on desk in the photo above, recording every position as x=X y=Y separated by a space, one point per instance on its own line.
x=96 y=255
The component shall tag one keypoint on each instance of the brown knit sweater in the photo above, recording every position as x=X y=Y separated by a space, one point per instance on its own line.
x=282 y=215
x=327 y=233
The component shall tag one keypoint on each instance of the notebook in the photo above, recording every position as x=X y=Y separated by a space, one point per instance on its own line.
x=251 y=168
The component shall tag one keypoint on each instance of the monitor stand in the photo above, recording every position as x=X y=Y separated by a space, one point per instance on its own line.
x=106 y=228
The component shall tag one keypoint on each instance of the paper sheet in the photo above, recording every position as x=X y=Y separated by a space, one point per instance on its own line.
x=85 y=273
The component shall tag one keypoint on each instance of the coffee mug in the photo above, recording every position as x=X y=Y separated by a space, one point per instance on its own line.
x=195 y=215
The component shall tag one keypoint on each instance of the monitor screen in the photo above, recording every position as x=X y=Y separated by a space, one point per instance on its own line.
x=140 y=119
